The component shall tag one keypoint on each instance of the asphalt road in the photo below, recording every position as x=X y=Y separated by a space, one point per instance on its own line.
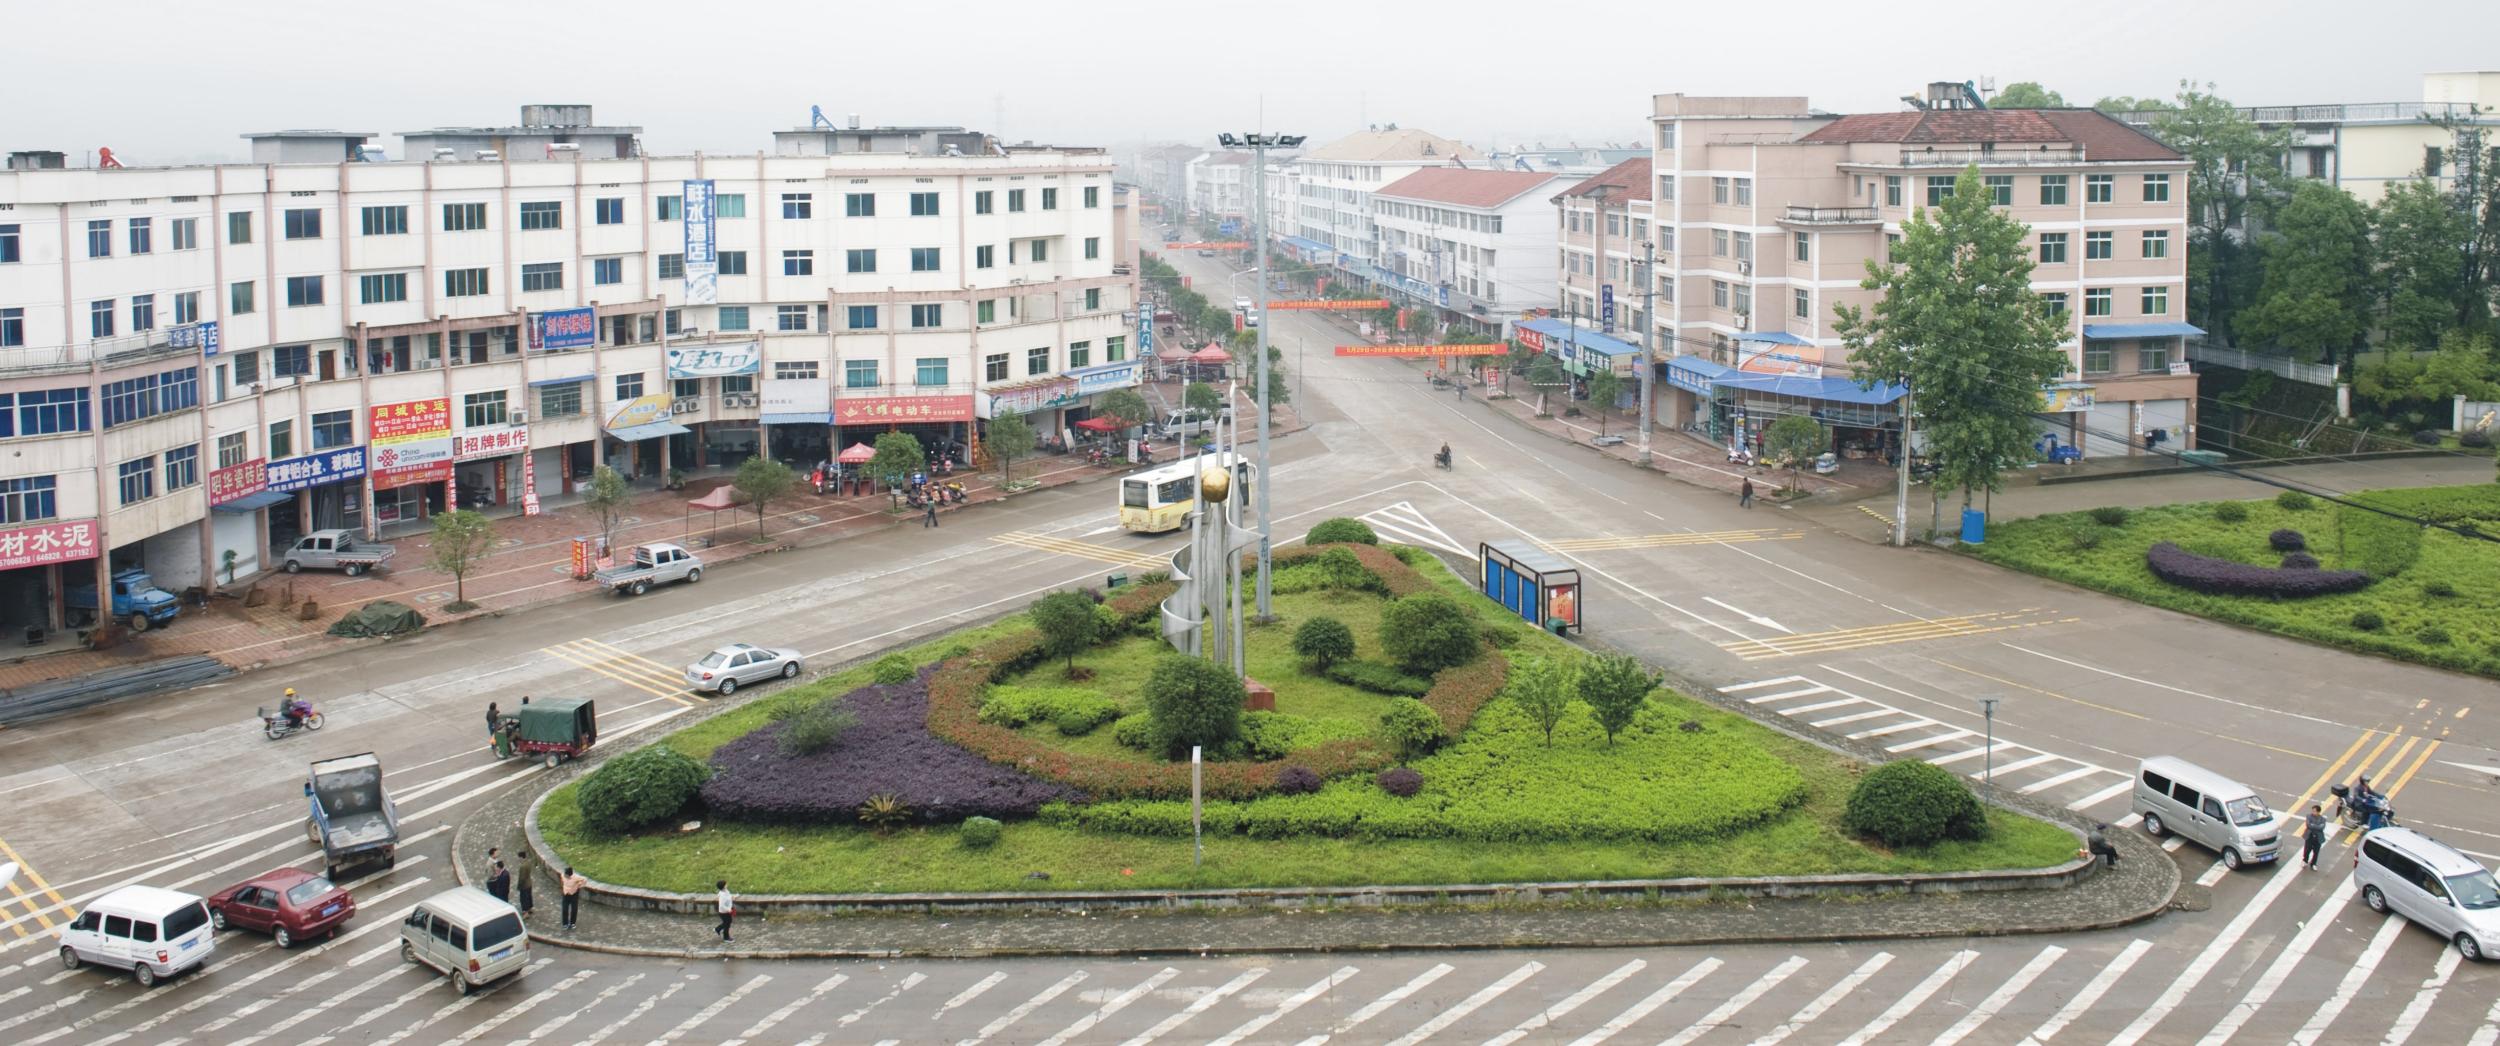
x=1897 y=647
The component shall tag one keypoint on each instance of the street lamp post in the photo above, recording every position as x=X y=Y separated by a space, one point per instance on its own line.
x=1259 y=141
x=1988 y=755
x=1649 y=364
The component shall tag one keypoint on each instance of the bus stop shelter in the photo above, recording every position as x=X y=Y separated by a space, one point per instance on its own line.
x=1532 y=583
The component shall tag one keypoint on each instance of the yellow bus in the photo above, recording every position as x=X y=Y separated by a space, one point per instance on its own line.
x=1159 y=500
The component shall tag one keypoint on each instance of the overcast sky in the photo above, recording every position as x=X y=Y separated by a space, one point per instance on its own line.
x=162 y=81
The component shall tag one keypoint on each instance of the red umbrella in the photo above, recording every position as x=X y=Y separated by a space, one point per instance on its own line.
x=857 y=454
x=1211 y=354
x=1099 y=425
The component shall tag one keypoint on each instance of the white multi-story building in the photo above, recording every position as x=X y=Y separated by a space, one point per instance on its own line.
x=197 y=360
x=1334 y=208
x=1471 y=244
x=1219 y=185
x=2366 y=147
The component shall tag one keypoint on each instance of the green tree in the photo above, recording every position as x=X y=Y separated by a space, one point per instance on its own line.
x=1605 y=390
x=461 y=538
x=1545 y=375
x=1542 y=687
x=1193 y=702
x=1521 y=357
x=2235 y=172
x=760 y=482
x=2463 y=366
x=1066 y=621
x=2119 y=103
x=2027 y=94
x=1323 y=641
x=1615 y=688
x=898 y=456
x=1410 y=727
x=1279 y=387
x=1126 y=407
x=2474 y=174
x=1010 y=438
x=1956 y=316
x=2417 y=230
x=2315 y=298
x=1202 y=398
x=1427 y=632
x=606 y=496
x=1793 y=441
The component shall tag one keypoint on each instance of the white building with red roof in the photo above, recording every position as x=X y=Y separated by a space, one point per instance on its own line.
x=1477 y=245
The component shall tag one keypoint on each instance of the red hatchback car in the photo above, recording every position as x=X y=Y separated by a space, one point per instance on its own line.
x=287 y=904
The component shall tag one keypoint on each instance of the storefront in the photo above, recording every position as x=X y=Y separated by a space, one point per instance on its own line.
x=491 y=469
x=412 y=460
x=323 y=491
x=236 y=496
x=1040 y=401
x=1581 y=351
x=2144 y=391
x=1860 y=423
x=798 y=420
x=37 y=563
x=733 y=368
x=637 y=437
x=936 y=421
x=1092 y=382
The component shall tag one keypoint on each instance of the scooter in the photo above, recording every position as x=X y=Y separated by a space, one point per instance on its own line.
x=1442 y=462
x=2351 y=815
x=277 y=726
x=954 y=494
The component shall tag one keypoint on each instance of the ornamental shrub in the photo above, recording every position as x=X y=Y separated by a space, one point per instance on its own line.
x=815 y=727
x=1341 y=529
x=1914 y=803
x=2294 y=501
x=2223 y=577
x=1378 y=678
x=1297 y=780
x=892 y=670
x=2438 y=589
x=2299 y=561
x=1409 y=728
x=2426 y=437
x=2109 y=516
x=1110 y=624
x=980 y=833
x=1323 y=641
x=1500 y=637
x=1427 y=632
x=1400 y=781
x=2231 y=512
x=2082 y=540
x=1193 y=702
x=2368 y=621
x=1067 y=624
x=645 y=785
x=2287 y=540
x=1015 y=706
x=2474 y=438
x=1615 y=688
x=2431 y=635
x=1072 y=722
x=1135 y=731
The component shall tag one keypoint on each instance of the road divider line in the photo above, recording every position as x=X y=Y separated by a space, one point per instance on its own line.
x=622 y=654
x=2332 y=771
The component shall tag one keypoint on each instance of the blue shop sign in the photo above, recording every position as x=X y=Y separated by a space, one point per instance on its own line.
x=313 y=470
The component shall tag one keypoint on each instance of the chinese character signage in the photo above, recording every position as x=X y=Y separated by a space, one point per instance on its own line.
x=1328 y=303
x=411 y=442
x=563 y=329
x=1534 y=340
x=1145 y=328
x=312 y=470
x=240 y=481
x=1105 y=377
x=47 y=543
x=900 y=410
x=201 y=336
x=1032 y=397
x=702 y=265
x=492 y=441
x=1605 y=308
x=715 y=361
x=644 y=410
x=1422 y=350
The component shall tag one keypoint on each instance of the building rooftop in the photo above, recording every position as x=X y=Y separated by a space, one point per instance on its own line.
x=1394 y=145
x=1461 y=187
x=2101 y=136
x=521 y=131
x=308 y=133
x=1629 y=178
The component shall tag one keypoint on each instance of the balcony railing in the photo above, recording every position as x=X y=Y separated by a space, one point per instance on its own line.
x=1990 y=157
x=104 y=354
x=1806 y=215
x=2336 y=113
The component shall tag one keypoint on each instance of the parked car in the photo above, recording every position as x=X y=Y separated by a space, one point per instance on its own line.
x=651 y=565
x=288 y=904
x=2430 y=882
x=154 y=933
x=338 y=550
x=136 y=600
x=738 y=664
x=467 y=934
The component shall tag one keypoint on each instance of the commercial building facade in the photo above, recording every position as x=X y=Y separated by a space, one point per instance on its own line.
x=1333 y=209
x=1468 y=245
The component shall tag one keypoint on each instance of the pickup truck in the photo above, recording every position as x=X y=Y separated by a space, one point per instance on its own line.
x=136 y=599
x=337 y=550
x=651 y=565
x=353 y=820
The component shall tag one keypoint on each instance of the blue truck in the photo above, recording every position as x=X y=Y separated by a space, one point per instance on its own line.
x=136 y=601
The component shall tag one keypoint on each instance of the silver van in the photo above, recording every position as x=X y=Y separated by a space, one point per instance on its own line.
x=153 y=933
x=467 y=934
x=2403 y=871
x=2208 y=809
x=1183 y=423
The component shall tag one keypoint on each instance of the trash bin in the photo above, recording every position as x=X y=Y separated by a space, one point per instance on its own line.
x=1974 y=526
x=1115 y=580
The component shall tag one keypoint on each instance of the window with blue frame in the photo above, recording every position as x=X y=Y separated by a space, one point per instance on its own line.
x=28 y=499
x=182 y=468
x=137 y=399
x=43 y=413
x=138 y=480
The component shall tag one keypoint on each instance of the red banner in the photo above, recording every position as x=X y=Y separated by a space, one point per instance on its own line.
x=1422 y=350
x=241 y=481
x=1213 y=245
x=1531 y=339
x=1349 y=303
x=900 y=410
x=416 y=419
x=47 y=543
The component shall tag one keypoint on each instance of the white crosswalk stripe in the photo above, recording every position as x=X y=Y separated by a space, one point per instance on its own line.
x=2000 y=998
x=556 y=1025
x=324 y=1006
x=640 y=1008
x=1736 y=1003
x=1403 y=523
x=1823 y=1003
x=969 y=994
x=711 y=1011
x=2315 y=1028
x=448 y=1009
x=783 y=1014
x=2194 y=974
x=1003 y=1021
x=908 y=983
x=1568 y=1003
x=1114 y=1005
x=2092 y=991
x=1198 y=1005
x=1665 y=994
x=521 y=1009
x=1468 y=1005
x=2420 y=1007
x=1916 y=998
x=1292 y=1002
x=2262 y=992
x=1930 y=739
x=1380 y=1005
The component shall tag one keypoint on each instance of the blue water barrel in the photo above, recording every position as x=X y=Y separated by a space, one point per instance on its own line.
x=1974 y=526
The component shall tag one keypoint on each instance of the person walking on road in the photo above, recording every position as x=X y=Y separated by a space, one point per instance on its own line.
x=1744 y=495
x=929 y=511
x=571 y=885
x=2312 y=835
x=728 y=910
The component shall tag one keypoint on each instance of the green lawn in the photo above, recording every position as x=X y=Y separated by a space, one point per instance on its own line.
x=2415 y=621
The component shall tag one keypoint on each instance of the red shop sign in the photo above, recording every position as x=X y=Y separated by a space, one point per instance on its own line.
x=240 y=481
x=47 y=543
x=900 y=410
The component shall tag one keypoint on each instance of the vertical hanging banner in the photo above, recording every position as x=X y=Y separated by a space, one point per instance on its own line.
x=1606 y=307
x=1145 y=329
x=702 y=264
x=529 y=484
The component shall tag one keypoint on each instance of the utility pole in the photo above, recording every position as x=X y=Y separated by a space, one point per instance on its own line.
x=1901 y=492
x=1258 y=142
x=1649 y=320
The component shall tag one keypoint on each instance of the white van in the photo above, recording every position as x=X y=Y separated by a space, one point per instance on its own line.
x=154 y=933
x=2206 y=808
x=2403 y=871
x=467 y=934
x=1183 y=423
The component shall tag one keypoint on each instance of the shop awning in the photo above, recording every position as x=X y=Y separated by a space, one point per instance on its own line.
x=2142 y=330
x=1211 y=354
x=1313 y=246
x=1828 y=390
x=1558 y=333
x=1693 y=373
x=1099 y=425
x=574 y=380
x=256 y=502
x=1772 y=338
x=803 y=417
x=655 y=430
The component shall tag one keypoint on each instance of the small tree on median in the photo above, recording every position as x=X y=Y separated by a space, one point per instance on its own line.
x=1605 y=388
x=1615 y=688
x=606 y=496
x=1792 y=441
x=1193 y=702
x=1066 y=622
x=1324 y=641
x=760 y=482
x=461 y=538
x=898 y=456
x=1542 y=687
x=1010 y=438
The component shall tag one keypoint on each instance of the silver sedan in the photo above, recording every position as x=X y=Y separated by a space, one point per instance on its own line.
x=726 y=669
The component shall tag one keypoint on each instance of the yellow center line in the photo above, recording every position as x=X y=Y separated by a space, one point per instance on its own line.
x=33 y=906
x=2363 y=769
x=2307 y=795
x=2418 y=762
x=1954 y=632
x=1869 y=630
x=628 y=655
x=2037 y=690
x=602 y=668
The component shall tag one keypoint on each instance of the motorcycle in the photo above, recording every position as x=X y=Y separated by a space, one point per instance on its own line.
x=277 y=726
x=2350 y=814
x=954 y=494
x=1442 y=462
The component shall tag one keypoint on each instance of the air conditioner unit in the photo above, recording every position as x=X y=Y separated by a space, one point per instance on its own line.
x=1744 y=268
x=1744 y=321
x=520 y=417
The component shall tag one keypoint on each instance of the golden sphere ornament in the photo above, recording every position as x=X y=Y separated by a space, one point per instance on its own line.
x=1215 y=483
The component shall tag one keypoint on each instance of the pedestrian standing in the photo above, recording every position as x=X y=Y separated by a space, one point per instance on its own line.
x=500 y=883
x=1744 y=495
x=571 y=885
x=494 y=856
x=928 y=510
x=521 y=883
x=2312 y=835
x=494 y=720
x=728 y=909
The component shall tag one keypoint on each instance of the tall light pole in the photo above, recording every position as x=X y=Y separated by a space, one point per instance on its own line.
x=1649 y=361
x=1259 y=141
x=1988 y=756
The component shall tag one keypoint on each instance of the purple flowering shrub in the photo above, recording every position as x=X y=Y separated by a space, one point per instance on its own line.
x=2223 y=577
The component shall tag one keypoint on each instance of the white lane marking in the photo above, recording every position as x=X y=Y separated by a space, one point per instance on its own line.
x=1197 y=1006
x=2181 y=690
x=1293 y=1002
x=1377 y=1006
x=711 y=1011
x=1114 y=1005
x=2129 y=821
x=2092 y=992
x=2213 y=875
x=908 y=984
x=1665 y=994
x=1823 y=1003
x=783 y=1014
x=520 y=1008
x=2104 y=795
x=640 y=1008
x=1973 y=752
x=1570 y=1002
x=2489 y=1033
x=324 y=1006
x=2172 y=844
x=1736 y=1003
x=2352 y=982
x=2411 y=1019
x=296 y=988
x=279 y=967
x=1850 y=718
x=2194 y=974
x=1819 y=707
x=1911 y=725
x=1010 y=1017
x=1923 y=742
x=456 y=1005
x=549 y=1028
x=1749 y=615
x=971 y=993
x=1468 y=1005
x=2025 y=764
x=64 y=1004
x=1784 y=695
x=1760 y=683
x=157 y=994
x=1916 y=998
x=2000 y=998
x=2042 y=786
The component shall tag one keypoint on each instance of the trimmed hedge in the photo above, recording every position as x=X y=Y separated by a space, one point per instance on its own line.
x=1428 y=632
x=2223 y=577
x=1914 y=803
x=1014 y=706
x=1400 y=781
x=648 y=784
x=1378 y=678
x=2287 y=540
x=1338 y=530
